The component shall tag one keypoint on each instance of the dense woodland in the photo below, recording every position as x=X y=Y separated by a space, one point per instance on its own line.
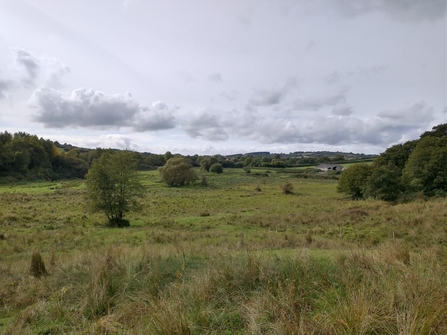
x=403 y=171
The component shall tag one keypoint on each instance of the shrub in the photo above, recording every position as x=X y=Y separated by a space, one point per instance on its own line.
x=37 y=268
x=353 y=181
x=204 y=213
x=287 y=188
x=177 y=172
x=216 y=168
x=207 y=163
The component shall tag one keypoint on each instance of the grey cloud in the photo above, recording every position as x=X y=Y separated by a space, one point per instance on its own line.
x=333 y=78
x=5 y=85
x=342 y=110
x=310 y=45
x=267 y=98
x=418 y=113
x=215 y=77
x=156 y=117
x=40 y=70
x=29 y=63
x=402 y=10
x=367 y=71
x=316 y=103
x=55 y=70
x=89 y=108
x=205 y=124
x=275 y=96
x=232 y=95
x=336 y=129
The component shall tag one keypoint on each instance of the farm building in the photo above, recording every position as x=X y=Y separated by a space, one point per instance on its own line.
x=328 y=167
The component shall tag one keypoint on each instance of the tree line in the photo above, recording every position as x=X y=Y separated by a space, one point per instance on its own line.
x=402 y=171
x=26 y=156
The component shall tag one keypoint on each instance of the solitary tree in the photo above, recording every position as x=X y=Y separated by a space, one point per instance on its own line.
x=177 y=172
x=114 y=186
x=216 y=168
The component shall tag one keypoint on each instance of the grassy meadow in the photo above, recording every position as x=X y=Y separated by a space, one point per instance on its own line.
x=235 y=257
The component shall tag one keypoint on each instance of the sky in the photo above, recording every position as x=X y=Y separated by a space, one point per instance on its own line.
x=222 y=77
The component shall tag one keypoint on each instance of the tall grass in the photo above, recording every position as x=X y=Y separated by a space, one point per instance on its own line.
x=146 y=290
x=223 y=259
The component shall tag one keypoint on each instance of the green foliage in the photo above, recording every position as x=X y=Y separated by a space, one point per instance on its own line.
x=177 y=172
x=396 y=155
x=155 y=160
x=352 y=182
x=384 y=183
x=414 y=166
x=216 y=168
x=26 y=156
x=207 y=162
x=114 y=186
x=426 y=167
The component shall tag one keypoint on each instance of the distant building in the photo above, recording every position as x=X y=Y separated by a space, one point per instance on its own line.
x=329 y=167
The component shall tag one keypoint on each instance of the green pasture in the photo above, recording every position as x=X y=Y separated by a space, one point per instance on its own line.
x=237 y=256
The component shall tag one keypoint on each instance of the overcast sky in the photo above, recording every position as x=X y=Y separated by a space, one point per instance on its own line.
x=223 y=76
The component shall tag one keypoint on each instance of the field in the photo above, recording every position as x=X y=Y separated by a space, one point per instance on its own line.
x=235 y=257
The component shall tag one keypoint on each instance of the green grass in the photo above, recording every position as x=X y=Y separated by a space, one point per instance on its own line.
x=236 y=257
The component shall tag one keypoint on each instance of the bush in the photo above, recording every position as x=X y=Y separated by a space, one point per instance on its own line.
x=287 y=188
x=37 y=268
x=207 y=163
x=216 y=168
x=353 y=181
x=177 y=172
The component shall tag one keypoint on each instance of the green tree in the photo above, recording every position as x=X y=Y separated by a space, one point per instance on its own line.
x=384 y=183
x=426 y=167
x=353 y=181
x=207 y=162
x=216 y=168
x=177 y=172
x=114 y=186
x=155 y=160
x=396 y=155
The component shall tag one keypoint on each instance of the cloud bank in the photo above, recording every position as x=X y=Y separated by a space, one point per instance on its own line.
x=340 y=128
x=95 y=109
